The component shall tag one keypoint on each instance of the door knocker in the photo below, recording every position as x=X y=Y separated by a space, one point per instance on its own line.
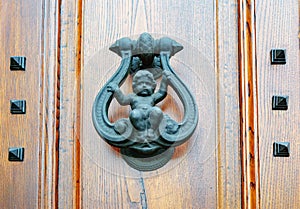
x=148 y=136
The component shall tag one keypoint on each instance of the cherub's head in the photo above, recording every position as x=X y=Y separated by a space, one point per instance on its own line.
x=143 y=83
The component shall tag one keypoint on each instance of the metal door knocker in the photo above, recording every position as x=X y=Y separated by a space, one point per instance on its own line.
x=148 y=136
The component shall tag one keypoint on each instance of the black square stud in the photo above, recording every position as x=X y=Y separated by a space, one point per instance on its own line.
x=278 y=57
x=281 y=149
x=17 y=63
x=17 y=106
x=16 y=154
x=280 y=102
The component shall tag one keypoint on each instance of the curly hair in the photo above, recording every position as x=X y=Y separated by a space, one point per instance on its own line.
x=142 y=74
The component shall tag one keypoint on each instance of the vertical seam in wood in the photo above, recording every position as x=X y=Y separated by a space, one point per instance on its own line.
x=42 y=175
x=78 y=110
x=77 y=151
x=219 y=186
x=57 y=112
x=257 y=156
x=143 y=194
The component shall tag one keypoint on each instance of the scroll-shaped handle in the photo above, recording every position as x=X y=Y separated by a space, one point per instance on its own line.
x=148 y=136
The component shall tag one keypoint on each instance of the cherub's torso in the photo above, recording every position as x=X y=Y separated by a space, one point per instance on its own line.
x=139 y=102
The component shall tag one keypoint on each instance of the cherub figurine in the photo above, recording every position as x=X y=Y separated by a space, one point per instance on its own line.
x=144 y=115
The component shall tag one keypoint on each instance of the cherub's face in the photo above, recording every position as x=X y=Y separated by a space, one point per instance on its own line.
x=144 y=87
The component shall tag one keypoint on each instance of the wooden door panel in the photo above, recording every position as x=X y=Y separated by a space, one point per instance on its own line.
x=278 y=27
x=201 y=171
x=23 y=32
x=16 y=21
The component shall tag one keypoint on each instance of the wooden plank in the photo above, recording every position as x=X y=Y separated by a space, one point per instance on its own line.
x=228 y=123
x=248 y=105
x=28 y=29
x=278 y=27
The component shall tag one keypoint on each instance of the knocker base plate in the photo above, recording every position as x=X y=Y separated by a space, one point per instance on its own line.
x=147 y=163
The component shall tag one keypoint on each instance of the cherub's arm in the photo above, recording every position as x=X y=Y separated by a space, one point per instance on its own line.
x=162 y=92
x=121 y=98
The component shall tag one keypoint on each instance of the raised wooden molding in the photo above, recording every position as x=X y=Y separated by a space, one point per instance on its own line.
x=69 y=187
x=49 y=131
x=248 y=105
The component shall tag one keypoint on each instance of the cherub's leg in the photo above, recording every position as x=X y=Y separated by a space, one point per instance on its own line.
x=137 y=119
x=155 y=117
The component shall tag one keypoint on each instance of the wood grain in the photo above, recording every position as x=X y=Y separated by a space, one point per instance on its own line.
x=74 y=167
x=225 y=63
x=204 y=173
x=48 y=162
x=28 y=28
x=69 y=90
x=278 y=27
x=228 y=120
x=248 y=105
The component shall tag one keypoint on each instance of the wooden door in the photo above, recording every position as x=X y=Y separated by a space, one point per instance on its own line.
x=227 y=163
